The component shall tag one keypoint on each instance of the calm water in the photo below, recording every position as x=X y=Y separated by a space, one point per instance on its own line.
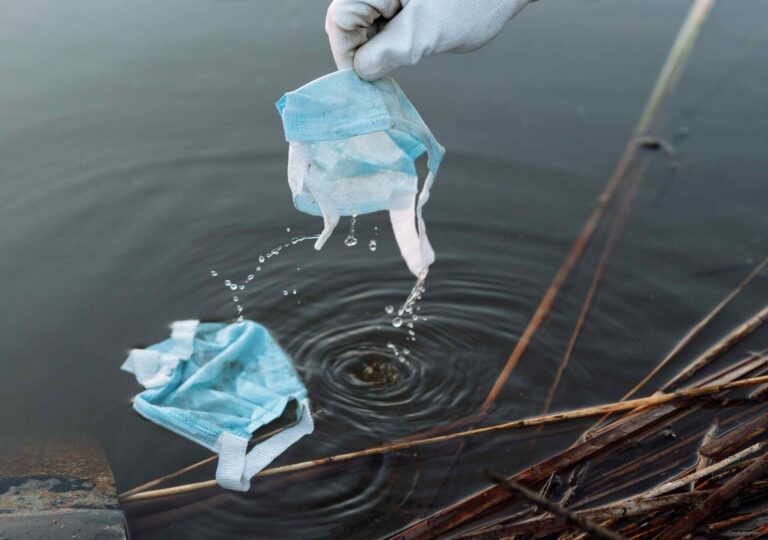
x=140 y=148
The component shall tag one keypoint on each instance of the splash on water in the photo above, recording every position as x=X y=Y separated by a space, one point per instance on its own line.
x=406 y=313
x=237 y=287
x=398 y=352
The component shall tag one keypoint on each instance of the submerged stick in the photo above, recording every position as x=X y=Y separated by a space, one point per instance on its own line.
x=664 y=85
x=581 y=522
x=651 y=401
x=616 y=230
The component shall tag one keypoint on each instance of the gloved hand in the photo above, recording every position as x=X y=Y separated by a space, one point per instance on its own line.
x=377 y=36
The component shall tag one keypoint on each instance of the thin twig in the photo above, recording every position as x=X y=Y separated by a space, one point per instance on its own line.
x=697 y=328
x=734 y=337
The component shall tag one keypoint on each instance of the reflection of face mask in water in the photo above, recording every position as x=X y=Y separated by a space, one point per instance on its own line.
x=352 y=150
x=216 y=384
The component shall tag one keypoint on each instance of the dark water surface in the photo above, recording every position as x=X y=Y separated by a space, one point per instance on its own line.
x=140 y=149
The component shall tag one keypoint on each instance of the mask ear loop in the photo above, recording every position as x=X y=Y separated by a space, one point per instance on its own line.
x=237 y=466
x=330 y=220
x=406 y=212
x=155 y=368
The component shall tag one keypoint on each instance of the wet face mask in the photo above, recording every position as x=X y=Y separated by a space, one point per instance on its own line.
x=216 y=384
x=352 y=150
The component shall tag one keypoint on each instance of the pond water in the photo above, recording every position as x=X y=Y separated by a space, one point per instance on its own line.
x=140 y=149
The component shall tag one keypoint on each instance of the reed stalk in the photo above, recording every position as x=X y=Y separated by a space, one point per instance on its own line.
x=649 y=119
x=697 y=328
x=651 y=401
x=721 y=496
x=736 y=336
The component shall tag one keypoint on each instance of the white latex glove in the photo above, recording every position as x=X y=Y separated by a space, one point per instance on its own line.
x=377 y=36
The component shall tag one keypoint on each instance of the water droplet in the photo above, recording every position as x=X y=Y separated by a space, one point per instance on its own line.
x=239 y=309
x=397 y=322
x=372 y=245
x=233 y=286
x=294 y=291
x=261 y=258
x=258 y=268
x=214 y=273
x=240 y=319
x=350 y=240
x=235 y=298
x=250 y=277
x=241 y=287
x=389 y=310
x=285 y=292
x=410 y=325
x=287 y=229
x=298 y=268
x=227 y=283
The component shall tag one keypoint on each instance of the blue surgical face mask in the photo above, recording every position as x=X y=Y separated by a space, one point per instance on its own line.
x=216 y=384
x=352 y=150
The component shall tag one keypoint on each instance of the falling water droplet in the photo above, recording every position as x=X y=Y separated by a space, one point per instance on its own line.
x=397 y=322
x=233 y=286
x=214 y=273
x=240 y=319
x=372 y=245
x=241 y=287
x=287 y=229
x=261 y=259
x=294 y=291
x=235 y=298
x=239 y=309
x=258 y=268
x=389 y=310
x=250 y=277
x=350 y=240
x=285 y=292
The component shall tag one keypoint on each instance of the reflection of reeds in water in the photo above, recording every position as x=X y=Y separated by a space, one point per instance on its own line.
x=722 y=437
